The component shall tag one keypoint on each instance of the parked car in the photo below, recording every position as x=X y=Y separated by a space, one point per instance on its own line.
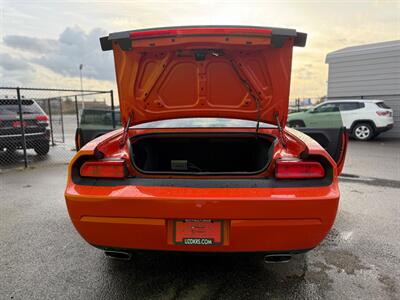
x=364 y=119
x=94 y=123
x=35 y=123
x=204 y=162
x=100 y=118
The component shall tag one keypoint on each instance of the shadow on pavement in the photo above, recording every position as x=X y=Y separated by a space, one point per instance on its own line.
x=196 y=276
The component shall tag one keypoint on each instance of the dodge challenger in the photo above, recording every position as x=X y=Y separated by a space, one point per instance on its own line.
x=204 y=161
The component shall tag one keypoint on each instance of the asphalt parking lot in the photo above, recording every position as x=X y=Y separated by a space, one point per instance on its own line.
x=43 y=257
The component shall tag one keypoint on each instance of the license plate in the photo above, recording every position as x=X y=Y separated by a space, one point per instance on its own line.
x=198 y=232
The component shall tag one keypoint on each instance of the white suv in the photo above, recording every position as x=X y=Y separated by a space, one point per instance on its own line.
x=364 y=119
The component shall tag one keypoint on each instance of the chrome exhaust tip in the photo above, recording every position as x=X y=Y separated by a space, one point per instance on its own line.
x=118 y=255
x=277 y=258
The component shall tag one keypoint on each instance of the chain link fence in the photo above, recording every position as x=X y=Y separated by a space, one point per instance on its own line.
x=37 y=125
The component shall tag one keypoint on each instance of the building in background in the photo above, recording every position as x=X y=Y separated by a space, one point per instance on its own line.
x=369 y=71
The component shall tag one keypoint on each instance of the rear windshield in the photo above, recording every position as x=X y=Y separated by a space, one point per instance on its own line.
x=11 y=107
x=382 y=105
x=203 y=122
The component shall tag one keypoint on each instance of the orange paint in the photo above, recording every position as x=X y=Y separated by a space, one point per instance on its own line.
x=161 y=77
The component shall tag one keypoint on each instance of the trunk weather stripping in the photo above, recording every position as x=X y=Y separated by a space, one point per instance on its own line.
x=281 y=135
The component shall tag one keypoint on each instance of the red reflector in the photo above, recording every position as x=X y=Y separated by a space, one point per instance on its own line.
x=103 y=169
x=286 y=169
x=42 y=118
x=200 y=31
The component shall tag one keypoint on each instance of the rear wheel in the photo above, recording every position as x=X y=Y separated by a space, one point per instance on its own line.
x=363 y=132
x=42 y=148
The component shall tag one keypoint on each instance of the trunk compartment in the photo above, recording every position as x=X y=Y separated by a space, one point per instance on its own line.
x=202 y=153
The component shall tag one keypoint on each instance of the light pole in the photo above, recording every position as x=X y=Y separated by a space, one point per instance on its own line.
x=80 y=71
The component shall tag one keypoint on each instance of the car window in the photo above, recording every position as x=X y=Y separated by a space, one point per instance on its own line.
x=11 y=107
x=346 y=106
x=100 y=118
x=328 y=107
x=382 y=105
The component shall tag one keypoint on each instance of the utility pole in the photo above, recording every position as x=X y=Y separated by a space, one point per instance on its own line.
x=80 y=71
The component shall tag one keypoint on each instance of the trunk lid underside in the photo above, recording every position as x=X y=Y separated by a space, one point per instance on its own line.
x=232 y=72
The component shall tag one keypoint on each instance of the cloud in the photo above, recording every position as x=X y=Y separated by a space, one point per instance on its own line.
x=10 y=63
x=32 y=44
x=64 y=55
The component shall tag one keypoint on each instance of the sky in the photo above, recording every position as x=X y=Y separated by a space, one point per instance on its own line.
x=42 y=43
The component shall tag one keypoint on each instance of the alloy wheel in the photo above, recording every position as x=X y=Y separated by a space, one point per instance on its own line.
x=362 y=132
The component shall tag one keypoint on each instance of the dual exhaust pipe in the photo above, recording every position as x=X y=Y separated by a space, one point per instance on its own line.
x=277 y=258
x=118 y=255
x=269 y=259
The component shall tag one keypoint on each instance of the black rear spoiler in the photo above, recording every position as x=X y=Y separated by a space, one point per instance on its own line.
x=279 y=36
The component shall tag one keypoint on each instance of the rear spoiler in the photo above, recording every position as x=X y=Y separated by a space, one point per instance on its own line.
x=278 y=35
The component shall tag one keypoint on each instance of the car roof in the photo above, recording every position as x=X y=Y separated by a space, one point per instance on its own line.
x=353 y=100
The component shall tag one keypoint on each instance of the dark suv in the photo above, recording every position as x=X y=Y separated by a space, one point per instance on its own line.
x=35 y=123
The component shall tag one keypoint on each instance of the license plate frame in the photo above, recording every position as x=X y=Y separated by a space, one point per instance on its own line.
x=198 y=232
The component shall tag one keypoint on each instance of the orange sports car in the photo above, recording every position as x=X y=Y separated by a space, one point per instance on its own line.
x=204 y=162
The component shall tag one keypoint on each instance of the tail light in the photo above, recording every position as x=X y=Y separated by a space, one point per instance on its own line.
x=291 y=169
x=103 y=169
x=42 y=119
x=383 y=113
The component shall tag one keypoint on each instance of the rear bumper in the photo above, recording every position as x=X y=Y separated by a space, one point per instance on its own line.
x=15 y=140
x=255 y=219
x=384 y=128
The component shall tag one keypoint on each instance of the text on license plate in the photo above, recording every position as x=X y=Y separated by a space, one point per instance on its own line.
x=198 y=232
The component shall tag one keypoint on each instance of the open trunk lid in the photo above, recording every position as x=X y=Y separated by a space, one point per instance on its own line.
x=214 y=71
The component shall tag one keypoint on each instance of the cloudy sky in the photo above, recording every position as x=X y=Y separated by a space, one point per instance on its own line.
x=43 y=42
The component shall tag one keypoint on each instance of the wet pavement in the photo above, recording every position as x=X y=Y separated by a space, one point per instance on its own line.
x=43 y=257
x=379 y=158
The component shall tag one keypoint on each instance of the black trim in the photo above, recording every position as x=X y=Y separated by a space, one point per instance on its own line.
x=383 y=129
x=279 y=35
x=207 y=183
x=301 y=39
x=105 y=43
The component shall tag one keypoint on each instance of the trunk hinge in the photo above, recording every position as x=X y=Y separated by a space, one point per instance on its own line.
x=126 y=129
x=249 y=89
x=281 y=134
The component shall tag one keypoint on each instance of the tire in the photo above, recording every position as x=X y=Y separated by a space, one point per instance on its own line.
x=296 y=124
x=363 y=132
x=42 y=148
